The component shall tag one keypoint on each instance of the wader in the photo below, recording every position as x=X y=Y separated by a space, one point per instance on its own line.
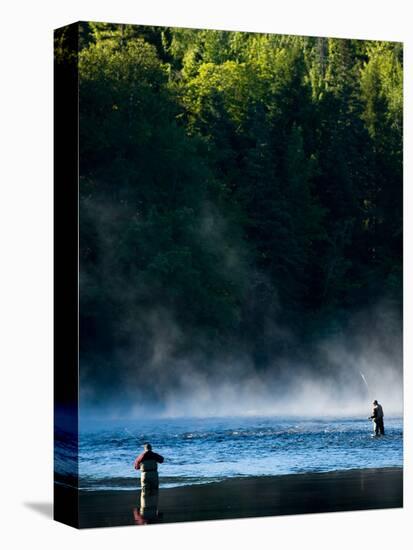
x=378 y=420
x=149 y=477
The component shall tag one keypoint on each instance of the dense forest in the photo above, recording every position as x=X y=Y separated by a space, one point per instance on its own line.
x=240 y=196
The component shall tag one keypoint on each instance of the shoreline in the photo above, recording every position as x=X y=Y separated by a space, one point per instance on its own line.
x=166 y=486
x=244 y=497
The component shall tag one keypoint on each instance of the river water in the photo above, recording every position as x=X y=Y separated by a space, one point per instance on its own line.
x=200 y=450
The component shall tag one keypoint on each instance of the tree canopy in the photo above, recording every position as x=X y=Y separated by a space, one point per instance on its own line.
x=231 y=183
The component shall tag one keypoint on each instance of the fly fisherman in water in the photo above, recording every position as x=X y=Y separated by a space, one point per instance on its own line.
x=377 y=417
x=147 y=463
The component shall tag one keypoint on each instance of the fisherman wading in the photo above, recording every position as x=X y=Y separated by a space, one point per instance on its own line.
x=377 y=417
x=147 y=463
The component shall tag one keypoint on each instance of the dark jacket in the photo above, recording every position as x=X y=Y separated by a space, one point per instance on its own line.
x=377 y=412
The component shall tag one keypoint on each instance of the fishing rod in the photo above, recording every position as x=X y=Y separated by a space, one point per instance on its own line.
x=368 y=390
x=365 y=381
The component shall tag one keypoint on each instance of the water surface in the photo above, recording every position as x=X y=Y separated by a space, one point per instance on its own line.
x=205 y=450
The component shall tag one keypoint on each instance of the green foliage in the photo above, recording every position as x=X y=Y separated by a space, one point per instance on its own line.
x=228 y=177
x=147 y=200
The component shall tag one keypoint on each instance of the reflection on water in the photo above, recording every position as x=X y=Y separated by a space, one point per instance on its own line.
x=148 y=511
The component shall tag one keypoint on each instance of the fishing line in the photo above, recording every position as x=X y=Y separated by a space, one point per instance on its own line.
x=131 y=434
